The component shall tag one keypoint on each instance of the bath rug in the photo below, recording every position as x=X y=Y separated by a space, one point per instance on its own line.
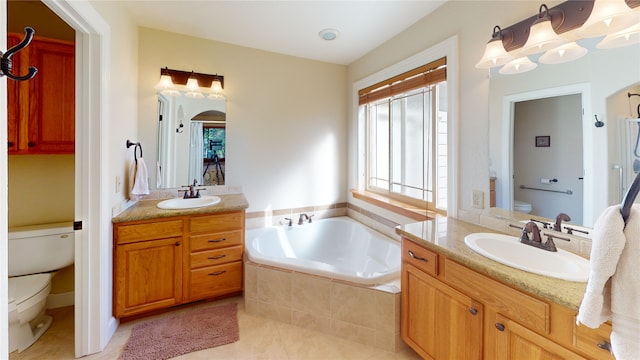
x=189 y=331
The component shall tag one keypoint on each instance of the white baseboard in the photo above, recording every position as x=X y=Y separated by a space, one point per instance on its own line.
x=55 y=301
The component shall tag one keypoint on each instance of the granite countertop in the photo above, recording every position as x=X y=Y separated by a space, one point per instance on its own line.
x=446 y=236
x=148 y=209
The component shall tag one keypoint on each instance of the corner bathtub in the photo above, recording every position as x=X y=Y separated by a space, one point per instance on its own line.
x=338 y=248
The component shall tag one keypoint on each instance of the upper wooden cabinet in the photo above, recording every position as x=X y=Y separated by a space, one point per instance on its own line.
x=41 y=111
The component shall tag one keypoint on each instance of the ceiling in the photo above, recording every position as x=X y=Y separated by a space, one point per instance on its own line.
x=286 y=27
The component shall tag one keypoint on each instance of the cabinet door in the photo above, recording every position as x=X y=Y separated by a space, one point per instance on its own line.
x=148 y=276
x=513 y=341
x=52 y=98
x=14 y=89
x=439 y=322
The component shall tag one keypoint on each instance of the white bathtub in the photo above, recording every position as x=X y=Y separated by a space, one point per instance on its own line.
x=337 y=248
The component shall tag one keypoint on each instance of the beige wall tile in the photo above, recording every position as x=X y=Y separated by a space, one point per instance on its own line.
x=312 y=294
x=353 y=305
x=274 y=286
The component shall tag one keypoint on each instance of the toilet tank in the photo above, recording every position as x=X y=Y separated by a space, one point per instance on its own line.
x=40 y=248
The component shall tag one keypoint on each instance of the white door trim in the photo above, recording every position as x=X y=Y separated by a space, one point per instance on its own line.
x=94 y=323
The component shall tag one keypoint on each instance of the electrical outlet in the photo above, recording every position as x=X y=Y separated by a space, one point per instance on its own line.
x=478 y=199
x=118 y=184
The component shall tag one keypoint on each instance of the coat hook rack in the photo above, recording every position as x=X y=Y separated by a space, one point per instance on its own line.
x=6 y=65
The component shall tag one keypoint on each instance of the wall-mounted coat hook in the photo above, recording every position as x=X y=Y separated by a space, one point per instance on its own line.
x=629 y=95
x=5 y=62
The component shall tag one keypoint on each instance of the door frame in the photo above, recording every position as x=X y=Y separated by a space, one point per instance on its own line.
x=508 y=113
x=94 y=324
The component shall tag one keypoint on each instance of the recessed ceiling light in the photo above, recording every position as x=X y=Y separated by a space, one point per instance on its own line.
x=328 y=34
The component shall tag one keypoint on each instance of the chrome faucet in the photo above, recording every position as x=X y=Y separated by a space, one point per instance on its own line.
x=302 y=217
x=561 y=217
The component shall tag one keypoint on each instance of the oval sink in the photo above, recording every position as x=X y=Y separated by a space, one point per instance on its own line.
x=509 y=251
x=181 y=203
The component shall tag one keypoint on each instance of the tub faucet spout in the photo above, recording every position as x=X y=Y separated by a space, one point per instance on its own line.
x=302 y=217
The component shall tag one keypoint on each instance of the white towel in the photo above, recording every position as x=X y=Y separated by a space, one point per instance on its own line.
x=613 y=289
x=139 y=178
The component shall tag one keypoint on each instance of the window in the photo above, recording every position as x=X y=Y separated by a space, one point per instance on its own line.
x=405 y=119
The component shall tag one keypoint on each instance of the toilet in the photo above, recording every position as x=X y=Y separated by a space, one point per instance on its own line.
x=521 y=206
x=34 y=252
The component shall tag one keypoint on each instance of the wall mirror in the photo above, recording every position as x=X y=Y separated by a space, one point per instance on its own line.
x=576 y=92
x=191 y=141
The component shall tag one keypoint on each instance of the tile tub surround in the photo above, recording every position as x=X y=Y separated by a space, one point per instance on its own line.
x=366 y=315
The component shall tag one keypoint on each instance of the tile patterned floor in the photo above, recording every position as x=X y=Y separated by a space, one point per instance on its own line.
x=260 y=338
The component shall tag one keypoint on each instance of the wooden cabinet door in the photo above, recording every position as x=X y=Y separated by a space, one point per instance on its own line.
x=439 y=322
x=13 y=95
x=511 y=340
x=148 y=276
x=51 y=98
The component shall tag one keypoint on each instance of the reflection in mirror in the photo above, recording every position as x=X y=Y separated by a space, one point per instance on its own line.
x=603 y=93
x=191 y=141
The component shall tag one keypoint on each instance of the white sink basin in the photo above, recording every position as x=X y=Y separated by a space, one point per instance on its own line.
x=509 y=251
x=181 y=203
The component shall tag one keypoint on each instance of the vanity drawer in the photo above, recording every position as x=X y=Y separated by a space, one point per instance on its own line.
x=423 y=259
x=512 y=303
x=148 y=231
x=215 y=280
x=215 y=257
x=593 y=341
x=215 y=241
x=217 y=223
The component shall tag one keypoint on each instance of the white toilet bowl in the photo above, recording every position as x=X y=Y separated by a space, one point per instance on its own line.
x=521 y=206
x=27 y=300
x=34 y=252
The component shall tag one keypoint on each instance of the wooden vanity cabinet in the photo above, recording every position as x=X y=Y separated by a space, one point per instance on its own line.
x=450 y=311
x=41 y=111
x=160 y=263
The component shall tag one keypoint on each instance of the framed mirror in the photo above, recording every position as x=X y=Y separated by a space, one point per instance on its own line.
x=191 y=141
x=600 y=82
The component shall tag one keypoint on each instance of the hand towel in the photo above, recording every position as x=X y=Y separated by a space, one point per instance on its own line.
x=613 y=288
x=139 y=178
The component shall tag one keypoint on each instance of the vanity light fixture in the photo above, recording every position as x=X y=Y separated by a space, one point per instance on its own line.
x=621 y=38
x=608 y=16
x=542 y=37
x=564 y=53
x=518 y=66
x=165 y=85
x=494 y=53
x=192 y=88
x=175 y=82
x=556 y=31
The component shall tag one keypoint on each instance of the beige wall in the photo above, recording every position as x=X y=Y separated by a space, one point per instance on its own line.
x=286 y=117
x=41 y=189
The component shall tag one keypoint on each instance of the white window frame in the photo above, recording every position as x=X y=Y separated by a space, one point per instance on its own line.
x=447 y=48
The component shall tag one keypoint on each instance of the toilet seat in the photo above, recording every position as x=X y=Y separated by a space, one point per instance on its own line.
x=25 y=288
x=522 y=206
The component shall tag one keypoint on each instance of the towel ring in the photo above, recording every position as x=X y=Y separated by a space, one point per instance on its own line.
x=135 y=150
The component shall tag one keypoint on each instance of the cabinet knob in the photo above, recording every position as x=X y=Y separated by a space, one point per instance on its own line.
x=177 y=243
x=31 y=144
x=500 y=326
x=417 y=257
x=9 y=143
x=605 y=345
x=473 y=310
